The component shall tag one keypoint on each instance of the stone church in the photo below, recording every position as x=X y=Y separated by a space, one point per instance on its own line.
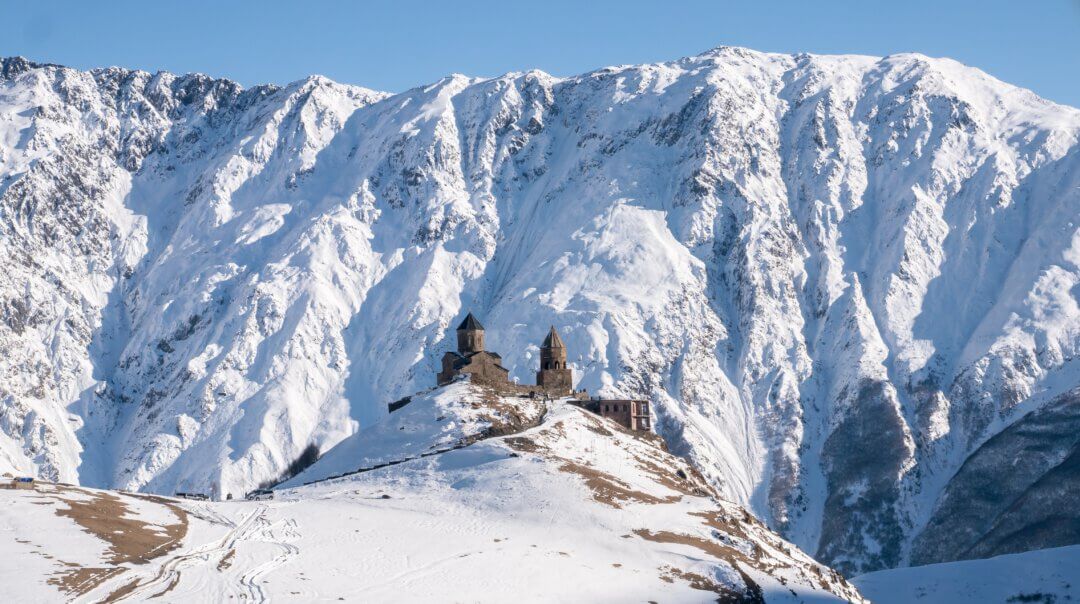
x=471 y=359
x=554 y=378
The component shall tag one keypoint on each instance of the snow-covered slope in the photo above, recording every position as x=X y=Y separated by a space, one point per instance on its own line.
x=433 y=422
x=836 y=277
x=1040 y=577
x=571 y=509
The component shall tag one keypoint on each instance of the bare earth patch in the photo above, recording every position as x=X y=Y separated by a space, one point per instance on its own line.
x=724 y=595
x=669 y=477
x=130 y=540
x=121 y=592
x=610 y=490
x=522 y=444
x=509 y=416
x=83 y=579
x=226 y=561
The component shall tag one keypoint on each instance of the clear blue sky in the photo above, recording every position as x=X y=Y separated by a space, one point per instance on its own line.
x=397 y=45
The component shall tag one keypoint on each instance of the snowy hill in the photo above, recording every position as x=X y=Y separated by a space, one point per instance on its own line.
x=1041 y=577
x=433 y=422
x=571 y=509
x=791 y=256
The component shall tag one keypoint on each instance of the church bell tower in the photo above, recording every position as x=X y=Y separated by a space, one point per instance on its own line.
x=470 y=336
x=554 y=375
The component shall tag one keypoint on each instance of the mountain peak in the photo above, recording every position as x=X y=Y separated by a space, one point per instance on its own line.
x=12 y=67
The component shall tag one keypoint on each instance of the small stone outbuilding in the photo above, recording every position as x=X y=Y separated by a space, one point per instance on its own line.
x=631 y=414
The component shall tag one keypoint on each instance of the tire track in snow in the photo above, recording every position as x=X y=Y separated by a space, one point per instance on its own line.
x=168 y=574
x=282 y=537
x=205 y=512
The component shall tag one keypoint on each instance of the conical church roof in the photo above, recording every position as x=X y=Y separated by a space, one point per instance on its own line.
x=553 y=340
x=470 y=324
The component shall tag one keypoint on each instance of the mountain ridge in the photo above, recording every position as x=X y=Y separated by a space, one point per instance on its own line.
x=17 y=64
x=787 y=254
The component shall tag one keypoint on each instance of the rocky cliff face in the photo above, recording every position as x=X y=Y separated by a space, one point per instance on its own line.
x=837 y=278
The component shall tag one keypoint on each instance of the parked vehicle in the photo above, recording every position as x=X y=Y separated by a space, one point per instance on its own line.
x=260 y=495
x=22 y=482
x=195 y=496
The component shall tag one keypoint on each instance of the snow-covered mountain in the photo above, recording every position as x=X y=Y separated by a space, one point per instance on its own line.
x=839 y=279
